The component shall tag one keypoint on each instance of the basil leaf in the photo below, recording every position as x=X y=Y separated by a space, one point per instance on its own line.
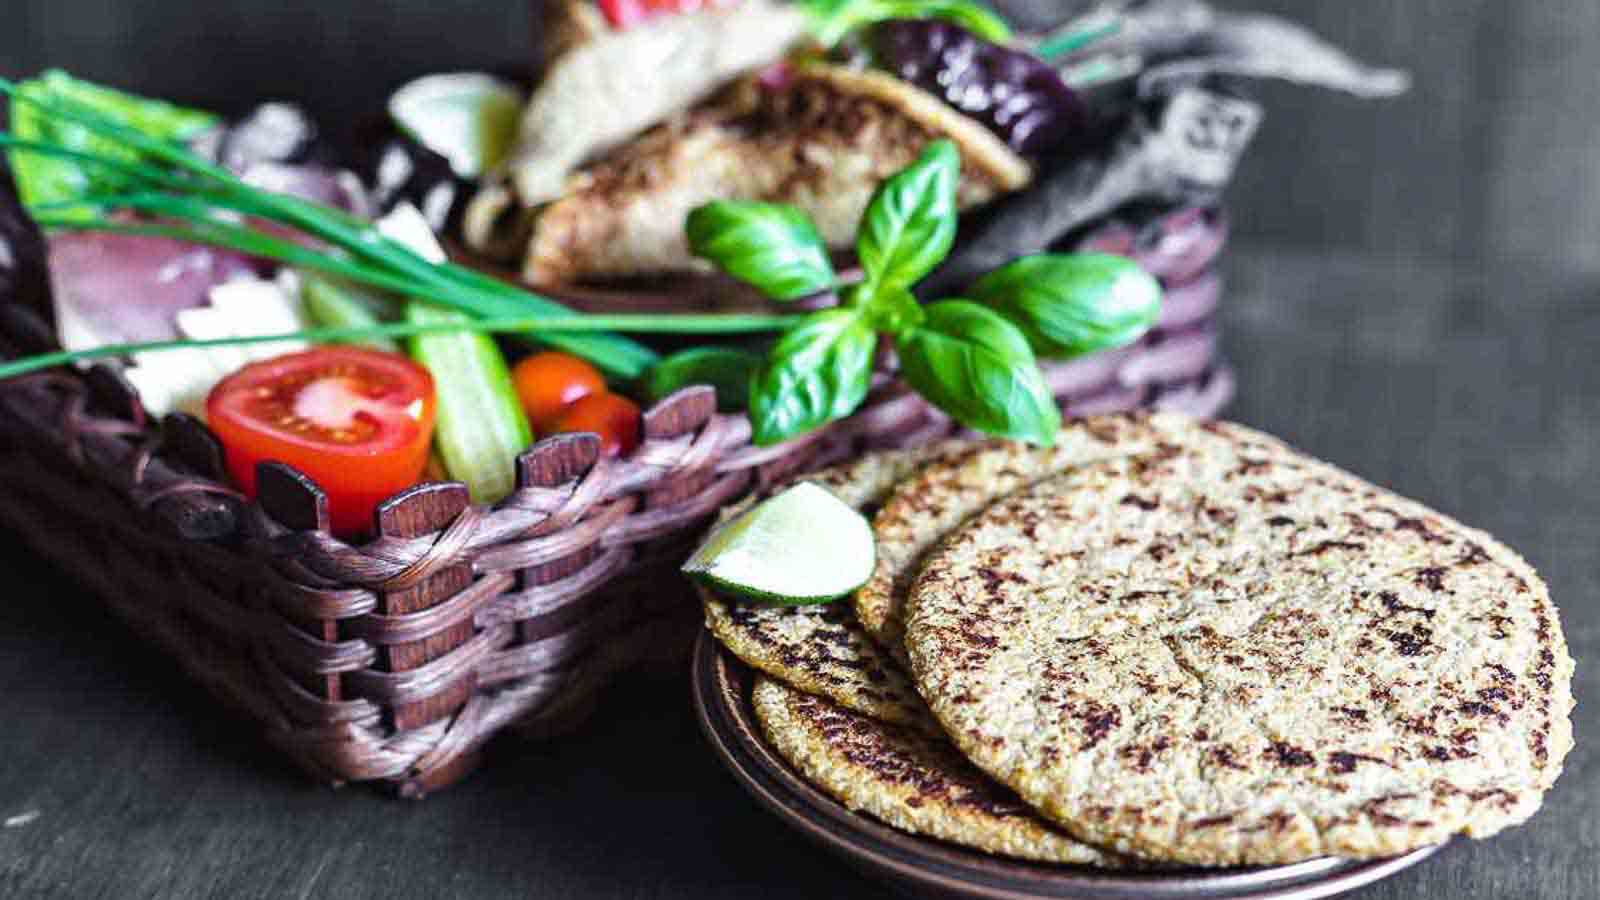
x=889 y=310
x=772 y=246
x=836 y=18
x=970 y=362
x=1072 y=304
x=911 y=222
x=817 y=372
x=727 y=369
x=45 y=179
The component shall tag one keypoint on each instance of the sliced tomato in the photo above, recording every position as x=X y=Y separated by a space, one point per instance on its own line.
x=614 y=418
x=550 y=382
x=357 y=421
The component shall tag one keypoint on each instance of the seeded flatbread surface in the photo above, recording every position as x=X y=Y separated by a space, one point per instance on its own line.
x=944 y=493
x=907 y=779
x=1231 y=653
x=822 y=649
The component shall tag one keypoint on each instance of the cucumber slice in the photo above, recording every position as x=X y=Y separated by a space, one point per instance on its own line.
x=480 y=427
x=469 y=118
x=801 y=547
x=338 y=304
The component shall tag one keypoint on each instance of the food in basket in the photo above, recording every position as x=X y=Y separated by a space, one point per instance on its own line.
x=637 y=73
x=822 y=144
x=357 y=421
x=550 y=382
x=974 y=360
x=979 y=109
x=1207 y=650
x=185 y=246
x=817 y=101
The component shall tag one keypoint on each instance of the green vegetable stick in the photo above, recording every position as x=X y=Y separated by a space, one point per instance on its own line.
x=481 y=427
x=334 y=305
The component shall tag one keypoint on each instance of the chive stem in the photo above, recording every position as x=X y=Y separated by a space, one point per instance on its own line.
x=133 y=170
x=638 y=323
x=377 y=260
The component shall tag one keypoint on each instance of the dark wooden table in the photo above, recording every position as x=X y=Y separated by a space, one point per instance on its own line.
x=1414 y=295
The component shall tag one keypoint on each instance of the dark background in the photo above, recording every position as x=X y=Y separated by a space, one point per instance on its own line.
x=1412 y=295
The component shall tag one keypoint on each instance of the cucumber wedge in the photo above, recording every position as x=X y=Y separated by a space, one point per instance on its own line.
x=480 y=427
x=801 y=547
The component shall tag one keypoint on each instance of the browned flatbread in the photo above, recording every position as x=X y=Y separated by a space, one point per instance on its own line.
x=1230 y=653
x=908 y=779
x=821 y=649
x=925 y=507
x=823 y=144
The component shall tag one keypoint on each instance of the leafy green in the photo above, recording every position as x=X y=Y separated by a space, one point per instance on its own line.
x=817 y=372
x=910 y=223
x=53 y=179
x=970 y=362
x=772 y=246
x=836 y=18
x=727 y=369
x=480 y=427
x=1069 y=305
x=889 y=310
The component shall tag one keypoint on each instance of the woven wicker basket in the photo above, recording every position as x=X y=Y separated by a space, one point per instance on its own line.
x=395 y=660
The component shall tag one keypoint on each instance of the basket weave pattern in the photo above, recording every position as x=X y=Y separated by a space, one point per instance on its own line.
x=395 y=660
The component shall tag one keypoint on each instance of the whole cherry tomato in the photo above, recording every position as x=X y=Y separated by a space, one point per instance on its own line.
x=549 y=383
x=614 y=418
x=357 y=421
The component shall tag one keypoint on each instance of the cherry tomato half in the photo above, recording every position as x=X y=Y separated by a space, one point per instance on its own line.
x=614 y=418
x=549 y=383
x=357 y=421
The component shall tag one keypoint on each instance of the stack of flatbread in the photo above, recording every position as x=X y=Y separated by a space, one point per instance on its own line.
x=1164 y=641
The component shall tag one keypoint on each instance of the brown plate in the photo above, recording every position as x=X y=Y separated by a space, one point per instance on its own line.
x=931 y=868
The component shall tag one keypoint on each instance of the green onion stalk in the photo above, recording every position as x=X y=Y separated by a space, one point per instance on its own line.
x=545 y=327
x=182 y=196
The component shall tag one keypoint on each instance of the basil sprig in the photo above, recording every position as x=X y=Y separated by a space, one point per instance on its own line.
x=970 y=362
x=1072 y=304
x=976 y=359
x=771 y=246
x=817 y=372
x=910 y=223
x=727 y=369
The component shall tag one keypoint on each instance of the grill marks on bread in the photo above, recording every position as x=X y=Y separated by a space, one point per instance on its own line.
x=944 y=494
x=821 y=649
x=907 y=779
x=1255 y=659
